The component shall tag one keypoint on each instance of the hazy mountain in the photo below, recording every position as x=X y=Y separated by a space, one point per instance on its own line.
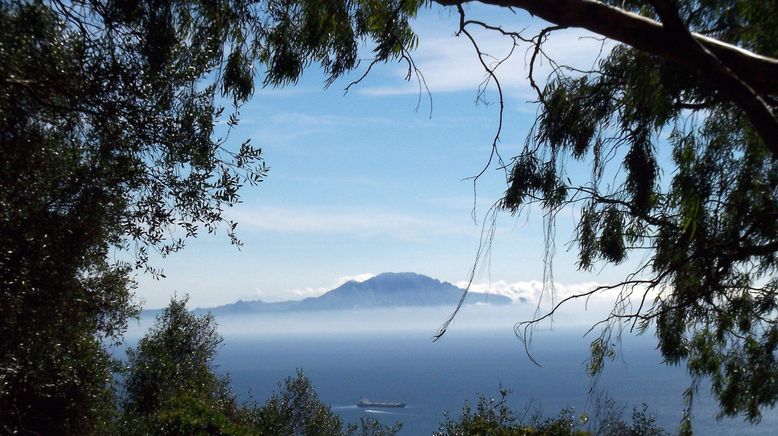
x=384 y=290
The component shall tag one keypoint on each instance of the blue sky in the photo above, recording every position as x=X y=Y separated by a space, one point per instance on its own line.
x=365 y=183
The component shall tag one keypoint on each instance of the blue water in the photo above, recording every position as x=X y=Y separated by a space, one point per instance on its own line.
x=433 y=378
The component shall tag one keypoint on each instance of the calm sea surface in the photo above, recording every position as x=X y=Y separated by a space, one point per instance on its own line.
x=432 y=378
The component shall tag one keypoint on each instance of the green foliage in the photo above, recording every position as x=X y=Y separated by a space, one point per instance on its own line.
x=187 y=414
x=297 y=410
x=369 y=426
x=493 y=417
x=170 y=384
x=607 y=420
x=108 y=114
x=328 y=32
x=174 y=362
x=680 y=178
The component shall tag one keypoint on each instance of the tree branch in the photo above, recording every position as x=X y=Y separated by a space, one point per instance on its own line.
x=644 y=34
x=725 y=79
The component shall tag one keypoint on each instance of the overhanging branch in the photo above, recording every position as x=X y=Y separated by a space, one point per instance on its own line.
x=760 y=72
x=745 y=78
x=721 y=75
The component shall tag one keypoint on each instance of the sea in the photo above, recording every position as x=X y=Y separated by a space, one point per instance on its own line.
x=390 y=355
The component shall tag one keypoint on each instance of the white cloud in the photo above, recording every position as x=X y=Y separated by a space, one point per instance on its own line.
x=359 y=278
x=459 y=202
x=288 y=128
x=450 y=64
x=310 y=120
x=447 y=63
x=361 y=224
x=580 y=311
x=533 y=291
x=307 y=292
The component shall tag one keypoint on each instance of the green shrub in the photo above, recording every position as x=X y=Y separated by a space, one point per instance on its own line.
x=493 y=417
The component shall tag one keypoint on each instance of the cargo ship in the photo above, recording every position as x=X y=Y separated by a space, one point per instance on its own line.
x=378 y=404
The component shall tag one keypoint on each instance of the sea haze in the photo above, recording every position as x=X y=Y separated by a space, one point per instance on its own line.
x=388 y=354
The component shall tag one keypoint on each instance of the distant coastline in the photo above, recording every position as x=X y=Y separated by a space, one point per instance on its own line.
x=385 y=290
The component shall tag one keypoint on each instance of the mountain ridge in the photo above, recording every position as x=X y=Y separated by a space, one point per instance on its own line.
x=391 y=289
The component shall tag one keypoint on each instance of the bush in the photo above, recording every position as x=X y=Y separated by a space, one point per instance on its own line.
x=297 y=410
x=171 y=384
x=493 y=417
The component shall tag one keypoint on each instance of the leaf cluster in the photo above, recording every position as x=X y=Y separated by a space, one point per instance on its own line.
x=679 y=175
x=493 y=416
x=115 y=118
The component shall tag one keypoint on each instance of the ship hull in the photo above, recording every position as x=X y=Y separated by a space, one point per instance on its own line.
x=379 y=404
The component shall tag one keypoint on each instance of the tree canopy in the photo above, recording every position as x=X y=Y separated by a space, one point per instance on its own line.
x=170 y=375
x=114 y=126
x=493 y=416
x=690 y=81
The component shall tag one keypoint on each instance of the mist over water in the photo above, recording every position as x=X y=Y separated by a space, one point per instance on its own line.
x=389 y=355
